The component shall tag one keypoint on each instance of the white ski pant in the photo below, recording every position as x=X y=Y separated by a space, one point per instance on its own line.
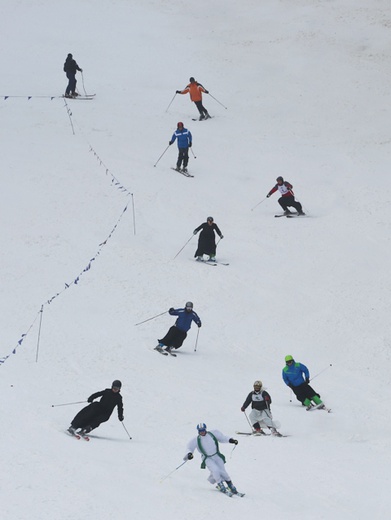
x=263 y=417
x=217 y=469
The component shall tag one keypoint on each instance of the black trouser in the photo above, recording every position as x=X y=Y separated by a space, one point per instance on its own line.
x=92 y=415
x=174 y=337
x=201 y=109
x=183 y=155
x=71 y=88
x=303 y=392
x=289 y=200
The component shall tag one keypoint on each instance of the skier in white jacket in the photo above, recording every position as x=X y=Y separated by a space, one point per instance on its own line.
x=207 y=443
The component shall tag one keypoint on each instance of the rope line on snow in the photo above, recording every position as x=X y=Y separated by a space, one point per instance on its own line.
x=68 y=285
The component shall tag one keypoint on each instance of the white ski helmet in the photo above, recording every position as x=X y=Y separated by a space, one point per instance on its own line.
x=257 y=384
x=201 y=427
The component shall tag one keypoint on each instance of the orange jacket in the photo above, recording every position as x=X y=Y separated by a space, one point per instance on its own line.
x=195 y=90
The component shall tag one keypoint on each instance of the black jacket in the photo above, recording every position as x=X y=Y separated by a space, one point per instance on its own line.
x=109 y=400
x=70 y=66
x=258 y=400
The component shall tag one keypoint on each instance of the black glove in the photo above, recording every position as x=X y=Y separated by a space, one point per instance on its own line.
x=233 y=441
x=243 y=409
x=268 y=195
x=206 y=91
x=170 y=143
x=121 y=418
x=195 y=232
x=89 y=400
x=171 y=309
x=221 y=236
x=177 y=92
x=190 y=145
x=190 y=456
x=307 y=380
x=199 y=325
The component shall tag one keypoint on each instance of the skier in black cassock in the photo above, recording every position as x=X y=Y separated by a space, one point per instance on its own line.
x=94 y=414
x=207 y=241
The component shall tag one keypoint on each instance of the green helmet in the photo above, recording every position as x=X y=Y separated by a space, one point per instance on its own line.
x=288 y=358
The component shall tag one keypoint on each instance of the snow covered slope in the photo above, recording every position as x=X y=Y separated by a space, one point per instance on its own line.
x=306 y=86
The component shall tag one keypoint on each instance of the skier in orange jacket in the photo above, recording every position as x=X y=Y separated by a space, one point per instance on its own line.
x=195 y=89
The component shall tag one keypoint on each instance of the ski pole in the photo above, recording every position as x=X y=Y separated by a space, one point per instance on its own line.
x=168 y=146
x=217 y=101
x=130 y=438
x=196 y=342
x=171 y=102
x=195 y=157
x=321 y=372
x=256 y=205
x=248 y=420
x=149 y=319
x=173 y=471
x=183 y=247
x=67 y=404
x=82 y=80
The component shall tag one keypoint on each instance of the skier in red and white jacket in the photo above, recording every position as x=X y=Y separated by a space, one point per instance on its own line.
x=287 y=198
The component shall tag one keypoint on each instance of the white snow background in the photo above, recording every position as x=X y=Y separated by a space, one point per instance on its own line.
x=306 y=84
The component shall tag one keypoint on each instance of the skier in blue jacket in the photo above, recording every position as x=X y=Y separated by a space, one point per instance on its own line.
x=297 y=377
x=184 y=139
x=178 y=332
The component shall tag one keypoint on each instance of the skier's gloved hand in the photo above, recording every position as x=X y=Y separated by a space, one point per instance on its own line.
x=199 y=325
x=195 y=232
x=121 y=418
x=221 y=236
x=243 y=409
x=189 y=456
x=190 y=145
x=268 y=195
x=89 y=400
x=206 y=91
x=171 y=309
x=177 y=92
x=307 y=380
x=169 y=143
x=233 y=441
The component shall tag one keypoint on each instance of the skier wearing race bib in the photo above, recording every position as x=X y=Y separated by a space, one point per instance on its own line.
x=207 y=443
x=261 y=414
x=287 y=198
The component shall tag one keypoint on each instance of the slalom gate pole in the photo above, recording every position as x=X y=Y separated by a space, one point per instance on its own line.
x=67 y=404
x=183 y=247
x=196 y=342
x=171 y=102
x=321 y=372
x=168 y=146
x=149 y=319
x=173 y=471
x=191 y=148
x=256 y=205
x=217 y=101
x=130 y=438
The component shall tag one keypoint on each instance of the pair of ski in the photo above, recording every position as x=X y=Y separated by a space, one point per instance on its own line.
x=186 y=174
x=81 y=97
x=319 y=407
x=198 y=119
x=229 y=493
x=211 y=262
x=78 y=435
x=161 y=350
x=255 y=434
x=290 y=215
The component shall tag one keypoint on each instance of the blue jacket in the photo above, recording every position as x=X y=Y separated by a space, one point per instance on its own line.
x=185 y=318
x=184 y=137
x=295 y=374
